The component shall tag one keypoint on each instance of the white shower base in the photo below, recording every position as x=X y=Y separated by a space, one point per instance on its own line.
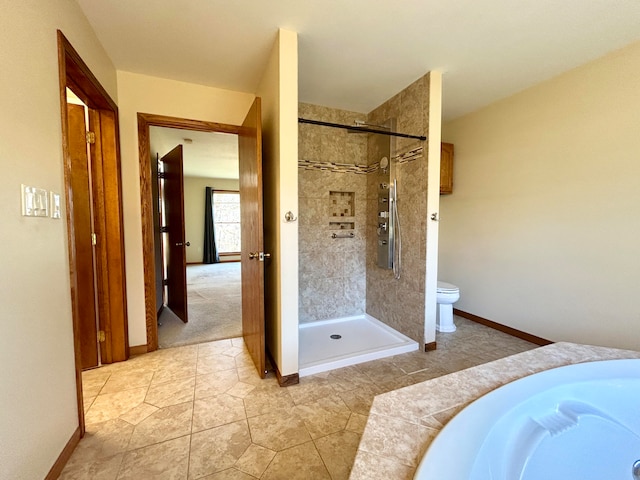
x=364 y=338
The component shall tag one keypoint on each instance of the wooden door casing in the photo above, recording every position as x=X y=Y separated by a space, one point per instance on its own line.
x=174 y=216
x=251 y=214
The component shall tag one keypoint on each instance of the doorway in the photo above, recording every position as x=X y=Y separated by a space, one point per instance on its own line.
x=94 y=217
x=252 y=249
x=205 y=191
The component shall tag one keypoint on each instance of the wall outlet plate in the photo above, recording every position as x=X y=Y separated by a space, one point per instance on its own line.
x=35 y=202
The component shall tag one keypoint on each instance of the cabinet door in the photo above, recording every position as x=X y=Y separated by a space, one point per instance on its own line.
x=446 y=168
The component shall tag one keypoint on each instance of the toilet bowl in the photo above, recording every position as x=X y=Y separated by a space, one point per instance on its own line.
x=446 y=296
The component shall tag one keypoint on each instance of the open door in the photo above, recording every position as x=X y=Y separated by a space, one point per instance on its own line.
x=82 y=235
x=252 y=263
x=175 y=247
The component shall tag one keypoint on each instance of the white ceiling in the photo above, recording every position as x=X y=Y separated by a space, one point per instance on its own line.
x=209 y=155
x=355 y=54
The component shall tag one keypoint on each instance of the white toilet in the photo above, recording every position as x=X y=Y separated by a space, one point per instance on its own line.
x=446 y=296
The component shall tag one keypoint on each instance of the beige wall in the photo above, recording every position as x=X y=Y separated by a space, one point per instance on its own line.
x=332 y=271
x=194 y=188
x=278 y=89
x=541 y=231
x=38 y=412
x=141 y=93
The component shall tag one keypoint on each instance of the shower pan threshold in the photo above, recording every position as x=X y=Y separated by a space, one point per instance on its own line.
x=362 y=338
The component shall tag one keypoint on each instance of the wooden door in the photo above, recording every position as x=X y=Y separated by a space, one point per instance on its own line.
x=81 y=235
x=175 y=247
x=252 y=264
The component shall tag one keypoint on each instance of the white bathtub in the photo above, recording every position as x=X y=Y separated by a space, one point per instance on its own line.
x=575 y=422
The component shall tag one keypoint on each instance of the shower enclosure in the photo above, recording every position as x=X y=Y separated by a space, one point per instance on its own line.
x=350 y=242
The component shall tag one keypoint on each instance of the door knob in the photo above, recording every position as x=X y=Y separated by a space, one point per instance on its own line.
x=188 y=244
x=253 y=255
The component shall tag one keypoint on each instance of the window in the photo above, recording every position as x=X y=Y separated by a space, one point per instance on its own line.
x=226 y=221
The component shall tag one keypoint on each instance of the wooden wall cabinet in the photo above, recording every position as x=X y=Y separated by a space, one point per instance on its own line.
x=446 y=168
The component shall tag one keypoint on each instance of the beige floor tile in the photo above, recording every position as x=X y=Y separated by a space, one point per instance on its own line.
x=174 y=371
x=268 y=398
x=87 y=402
x=230 y=474
x=93 y=381
x=171 y=393
x=165 y=424
x=218 y=449
x=348 y=378
x=278 y=431
x=356 y=423
x=112 y=405
x=234 y=351
x=324 y=416
x=250 y=375
x=241 y=390
x=214 y=348
x=215 y=363
x=215 y=411
x=360 y=399
x=309 y=389
x=163 y=461
x=255 y=460
x=128 y=433
x=338 y=452
x=102 y=441
x=244 y=360
x=387 y=468
x=101 y=469
x=139 y=413
x=301 y=462
x=127 y=380
x=215 y=383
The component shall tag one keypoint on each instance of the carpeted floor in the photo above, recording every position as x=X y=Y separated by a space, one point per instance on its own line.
x=214 y=306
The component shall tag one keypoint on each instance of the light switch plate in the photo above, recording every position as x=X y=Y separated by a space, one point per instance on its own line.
x=35 y=202
x=55 y=205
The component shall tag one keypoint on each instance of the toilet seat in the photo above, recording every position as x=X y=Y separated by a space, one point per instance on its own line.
x=444 y=287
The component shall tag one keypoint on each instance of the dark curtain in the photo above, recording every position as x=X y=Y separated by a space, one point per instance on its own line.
x=210 y=252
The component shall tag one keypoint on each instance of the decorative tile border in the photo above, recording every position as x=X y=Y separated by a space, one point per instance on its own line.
x=337 y=167
x=409 y=156
x=359 y=169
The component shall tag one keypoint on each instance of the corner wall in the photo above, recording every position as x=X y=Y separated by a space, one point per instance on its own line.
x=144 y=94
x=541 y=231
x=278 y=89
x=38 y=406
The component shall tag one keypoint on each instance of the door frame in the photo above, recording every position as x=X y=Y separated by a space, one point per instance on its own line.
x=146 y=120
x=108 y=223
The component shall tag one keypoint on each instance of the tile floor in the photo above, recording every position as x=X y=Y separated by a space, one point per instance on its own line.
x=200 y=411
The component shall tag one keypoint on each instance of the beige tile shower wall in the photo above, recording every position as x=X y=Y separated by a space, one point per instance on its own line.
x=401 y=303
x=331 y=271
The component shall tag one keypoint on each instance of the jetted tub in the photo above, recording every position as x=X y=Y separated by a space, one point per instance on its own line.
x=575 y=422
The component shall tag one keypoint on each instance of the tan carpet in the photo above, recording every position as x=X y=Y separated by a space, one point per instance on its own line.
x=214 y=306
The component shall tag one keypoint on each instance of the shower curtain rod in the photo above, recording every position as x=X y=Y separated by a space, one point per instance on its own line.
x=355 y=128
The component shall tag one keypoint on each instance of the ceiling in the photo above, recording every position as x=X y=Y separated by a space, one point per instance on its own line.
x=356 y=54
x=209 y=155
